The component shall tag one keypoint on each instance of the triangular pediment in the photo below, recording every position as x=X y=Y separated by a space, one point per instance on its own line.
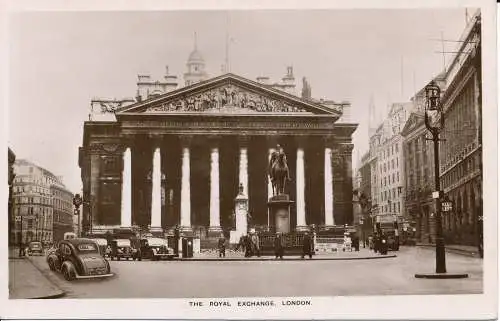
x=228 y=94
x=415 y=120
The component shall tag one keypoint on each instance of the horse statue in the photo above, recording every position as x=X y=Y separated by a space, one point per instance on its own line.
x=278 y=171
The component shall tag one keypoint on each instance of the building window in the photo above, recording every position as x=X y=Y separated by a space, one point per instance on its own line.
x=397 y=176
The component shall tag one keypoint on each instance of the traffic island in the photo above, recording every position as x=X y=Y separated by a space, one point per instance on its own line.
x=441 y=275
x=27 y=282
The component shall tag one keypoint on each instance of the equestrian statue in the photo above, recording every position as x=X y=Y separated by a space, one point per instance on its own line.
x=278 y=171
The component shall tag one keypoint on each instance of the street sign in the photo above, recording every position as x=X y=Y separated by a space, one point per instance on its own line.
x=446 y=206
x=435 y=195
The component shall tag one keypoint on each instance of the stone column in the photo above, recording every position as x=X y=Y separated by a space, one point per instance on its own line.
x=300 y=185
x=214 y=191
x=185 y=189
x=126 y=208
x=90 y=216
x=156 y=190
x=329 y=215
x=243 y=171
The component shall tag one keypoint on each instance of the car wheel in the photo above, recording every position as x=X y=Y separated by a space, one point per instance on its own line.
x=128 y=258
x=140 y=259
x=118 y=258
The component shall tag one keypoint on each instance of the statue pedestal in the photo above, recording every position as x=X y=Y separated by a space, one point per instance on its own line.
x=279 y=208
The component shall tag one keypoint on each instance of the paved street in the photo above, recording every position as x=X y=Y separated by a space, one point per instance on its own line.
x=171 y=279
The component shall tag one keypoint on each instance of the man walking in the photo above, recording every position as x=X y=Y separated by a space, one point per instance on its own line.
x=279 y=245
x=222 y=245
x=307 y=245
x=255 y=242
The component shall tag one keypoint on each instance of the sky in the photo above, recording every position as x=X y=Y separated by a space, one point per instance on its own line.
x=59 y=61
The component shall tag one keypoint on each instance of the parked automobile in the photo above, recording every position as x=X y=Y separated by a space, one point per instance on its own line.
x=155 y=249
x=122 y=249
x=79 y=258
x=102 y=244
x=35 y=248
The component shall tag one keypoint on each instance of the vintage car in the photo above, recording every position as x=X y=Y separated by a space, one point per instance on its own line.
x=155 y=249
x=122 y=248
x=102 y=244
x=79 y=258
x=35 y=248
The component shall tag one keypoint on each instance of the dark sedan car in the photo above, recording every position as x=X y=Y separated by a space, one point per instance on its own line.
x=122 y=249
x=79 y=258
x=35 y=248
x=155 y=249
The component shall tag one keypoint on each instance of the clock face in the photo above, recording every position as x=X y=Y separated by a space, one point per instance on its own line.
x=242 y=206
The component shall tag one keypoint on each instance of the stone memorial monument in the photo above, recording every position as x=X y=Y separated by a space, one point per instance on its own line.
x=279 y=203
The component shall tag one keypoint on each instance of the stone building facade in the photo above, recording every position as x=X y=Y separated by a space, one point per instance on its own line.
x=386 y=159
x=62 y=210
x=461 y=156
x=35 y=203
x=178 y=159
x=11 y=157
x=419 y=177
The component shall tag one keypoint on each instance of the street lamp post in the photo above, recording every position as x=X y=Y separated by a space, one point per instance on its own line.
x=434 y=122
x=77 y=202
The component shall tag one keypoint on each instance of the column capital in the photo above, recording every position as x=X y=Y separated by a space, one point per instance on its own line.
x=272 y=141
x=243 y=140
x=329 y=141
x=213 y=141
x=346 y=149
x=186 y=140
x=107 y=148
x=301 y=141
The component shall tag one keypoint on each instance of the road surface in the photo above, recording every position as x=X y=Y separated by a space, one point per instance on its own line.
x=176 y=279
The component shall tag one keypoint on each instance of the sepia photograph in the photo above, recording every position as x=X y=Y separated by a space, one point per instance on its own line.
x=234 y=159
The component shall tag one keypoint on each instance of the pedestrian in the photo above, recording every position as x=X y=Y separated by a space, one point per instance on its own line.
x=307 y=245
x=222 y=245
x=255 y=242
x=247 y=241
x=21 y=250
x=279 y=245
x=176 y=240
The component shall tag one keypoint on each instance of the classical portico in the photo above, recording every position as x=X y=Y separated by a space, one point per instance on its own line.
x=179 y=158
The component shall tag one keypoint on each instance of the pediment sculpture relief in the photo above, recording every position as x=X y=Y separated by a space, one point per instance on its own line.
x=227 y=96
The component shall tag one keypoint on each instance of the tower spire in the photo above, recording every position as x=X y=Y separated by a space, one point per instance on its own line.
x=195 y=42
